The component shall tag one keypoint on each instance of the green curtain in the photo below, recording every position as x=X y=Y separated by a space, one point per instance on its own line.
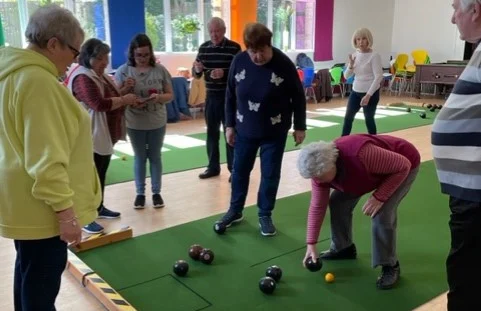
x=2 y=36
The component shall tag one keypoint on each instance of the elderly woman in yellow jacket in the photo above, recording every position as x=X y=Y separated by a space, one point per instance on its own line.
x=49 y=183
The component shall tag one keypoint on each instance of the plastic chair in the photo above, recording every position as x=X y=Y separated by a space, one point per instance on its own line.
x=308 y=79
x=336 y=77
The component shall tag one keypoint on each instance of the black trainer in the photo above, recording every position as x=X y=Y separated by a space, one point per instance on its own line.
x=139 y=202
x=157 y=201
x=266 y=225
x=105 y=213
x=349 y=252
x=230 y=218
x=389 y=276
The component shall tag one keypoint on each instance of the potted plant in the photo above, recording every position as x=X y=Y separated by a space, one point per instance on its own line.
x=186 y=26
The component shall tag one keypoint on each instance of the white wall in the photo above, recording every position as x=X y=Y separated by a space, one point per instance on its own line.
x=426 y=24
x=349 y=15
x=397 y=26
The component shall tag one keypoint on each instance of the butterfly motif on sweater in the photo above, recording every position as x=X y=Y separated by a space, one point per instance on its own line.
x=276 y=80
x=253 y=106
x=240 y=117
x=241 y=75
x=276 y=119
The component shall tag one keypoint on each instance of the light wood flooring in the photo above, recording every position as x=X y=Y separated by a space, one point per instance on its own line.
x=188 y=198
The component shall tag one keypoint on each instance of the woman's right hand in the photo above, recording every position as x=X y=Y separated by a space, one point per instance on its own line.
x=352 y=59
x=129 y=82
x=311 y=251
x=130 y=99
x=70 y=231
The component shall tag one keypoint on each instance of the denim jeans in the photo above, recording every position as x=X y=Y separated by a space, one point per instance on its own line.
x=271 y=154
x=353 y=107
x=464 y=260
x=147 y=144
x=38 y=272
x=214 y=117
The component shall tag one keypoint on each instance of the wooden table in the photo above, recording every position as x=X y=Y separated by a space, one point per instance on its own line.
x=442 y=73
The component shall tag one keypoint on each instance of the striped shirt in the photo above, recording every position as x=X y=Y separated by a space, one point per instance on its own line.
x=216 y=57
x=376 y=160
x=456 y=136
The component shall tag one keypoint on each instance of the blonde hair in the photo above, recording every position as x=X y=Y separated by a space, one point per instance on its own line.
x=362 y=33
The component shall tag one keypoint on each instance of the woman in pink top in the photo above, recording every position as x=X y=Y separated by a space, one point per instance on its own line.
x=353 y=166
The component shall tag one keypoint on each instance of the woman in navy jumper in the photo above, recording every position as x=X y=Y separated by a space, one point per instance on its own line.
x=263 y=94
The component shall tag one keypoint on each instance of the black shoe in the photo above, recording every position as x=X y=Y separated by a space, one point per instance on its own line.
x=230 y=218
x=266 y=225
x=105 y=213
x=389 y=276
x=139 y=202
x=346 y=253
x=157 y=201
x=208 y=174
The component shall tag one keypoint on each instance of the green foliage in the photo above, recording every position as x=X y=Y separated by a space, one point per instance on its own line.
x=154 y=7
x=151 y=29
x=186 y=25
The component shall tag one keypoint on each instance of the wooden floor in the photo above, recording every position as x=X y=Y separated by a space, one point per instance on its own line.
x=188 y=198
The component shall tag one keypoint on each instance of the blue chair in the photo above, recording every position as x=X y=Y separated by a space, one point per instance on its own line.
x=308 y=79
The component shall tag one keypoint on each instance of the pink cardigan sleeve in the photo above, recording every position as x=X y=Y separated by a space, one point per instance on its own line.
x=317 y=210
x=392 y=165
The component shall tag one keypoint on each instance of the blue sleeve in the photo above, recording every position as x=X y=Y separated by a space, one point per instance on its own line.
x=298 y=97
x=230 y=95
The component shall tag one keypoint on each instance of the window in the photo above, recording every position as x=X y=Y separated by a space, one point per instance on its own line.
x=11 y=23
x=291 y=22
x=181 y=25
x=15 y=14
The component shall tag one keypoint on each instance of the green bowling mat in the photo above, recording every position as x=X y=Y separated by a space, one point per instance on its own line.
x=141 y=268
x=183 y=153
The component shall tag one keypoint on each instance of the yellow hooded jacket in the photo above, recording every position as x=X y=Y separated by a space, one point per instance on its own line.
x=46 y=152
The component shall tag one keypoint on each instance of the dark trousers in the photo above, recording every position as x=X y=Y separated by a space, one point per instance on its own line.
x=271 y=154
x=353 y=107
x=214 y=117
x=102 y=164
x=464 y=260
x=38 y=272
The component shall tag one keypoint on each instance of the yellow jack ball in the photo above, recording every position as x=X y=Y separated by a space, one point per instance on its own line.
x=329 y=277
x=124 y=158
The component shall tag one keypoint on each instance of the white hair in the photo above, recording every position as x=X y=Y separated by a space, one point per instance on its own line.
x=53 y=21
x=216 y=21
x=316 y=159
x=466 y=4
x=362 y=33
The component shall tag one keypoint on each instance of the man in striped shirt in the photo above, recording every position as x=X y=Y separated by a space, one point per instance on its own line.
x=355 y=165
x=213 y=61
x=456 y=140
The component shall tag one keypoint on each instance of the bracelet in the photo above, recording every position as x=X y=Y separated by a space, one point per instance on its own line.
x=67 y=221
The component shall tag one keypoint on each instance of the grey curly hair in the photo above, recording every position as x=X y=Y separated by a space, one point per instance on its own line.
x=317 y=158
x=53 y=21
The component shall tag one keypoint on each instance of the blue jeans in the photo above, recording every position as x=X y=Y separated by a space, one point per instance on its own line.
x=271 y=154
x=38 y=272
x=147 y=144
x=353 y=107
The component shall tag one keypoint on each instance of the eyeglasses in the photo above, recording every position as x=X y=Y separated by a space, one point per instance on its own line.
x=141 y=55
x=75 y=52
